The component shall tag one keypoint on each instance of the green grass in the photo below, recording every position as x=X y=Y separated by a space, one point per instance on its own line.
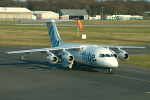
x=117 y=22
x=38 y=36
x=108 y=35
x=111 y=22
x=95 y=35
x=138 y=60
x=24 y=35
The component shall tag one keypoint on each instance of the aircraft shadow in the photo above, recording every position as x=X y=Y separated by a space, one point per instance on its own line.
x=35 y=65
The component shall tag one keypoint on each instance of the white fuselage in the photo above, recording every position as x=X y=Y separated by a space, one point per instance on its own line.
x=97 y=57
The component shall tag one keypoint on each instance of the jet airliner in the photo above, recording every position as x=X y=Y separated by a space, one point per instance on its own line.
x=95 y=56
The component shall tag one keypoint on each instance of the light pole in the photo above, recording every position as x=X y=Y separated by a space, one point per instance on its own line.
x=102 y=13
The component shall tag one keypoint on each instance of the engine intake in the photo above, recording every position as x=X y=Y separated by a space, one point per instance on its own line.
x=52 y=59
x=68 y=58
x=122 y=55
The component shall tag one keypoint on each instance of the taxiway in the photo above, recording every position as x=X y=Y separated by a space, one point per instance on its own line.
x=33 y=78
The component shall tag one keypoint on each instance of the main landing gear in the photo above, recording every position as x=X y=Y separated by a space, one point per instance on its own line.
x=67 y=68
x=110 y=71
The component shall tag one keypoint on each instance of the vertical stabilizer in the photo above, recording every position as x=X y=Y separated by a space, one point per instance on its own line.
x=54 y=37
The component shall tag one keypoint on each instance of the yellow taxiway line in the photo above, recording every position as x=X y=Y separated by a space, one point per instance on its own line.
x=131 y=78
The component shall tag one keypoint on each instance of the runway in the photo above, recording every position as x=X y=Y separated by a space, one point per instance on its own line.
x=33 y=78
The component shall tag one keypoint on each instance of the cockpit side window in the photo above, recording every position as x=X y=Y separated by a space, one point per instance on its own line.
x=102 y=55
x=106 y=55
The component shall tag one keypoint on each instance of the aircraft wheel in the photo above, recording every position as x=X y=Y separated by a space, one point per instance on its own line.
x=110 y=71
x=67 y=68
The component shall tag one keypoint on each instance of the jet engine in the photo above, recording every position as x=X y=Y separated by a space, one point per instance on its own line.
x=122 y=55
x=68 y=58
x=51 y=58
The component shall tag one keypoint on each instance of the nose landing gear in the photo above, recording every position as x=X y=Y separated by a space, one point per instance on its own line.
x=110 y=71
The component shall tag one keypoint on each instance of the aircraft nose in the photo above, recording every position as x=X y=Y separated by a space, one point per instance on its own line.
x=114 y=63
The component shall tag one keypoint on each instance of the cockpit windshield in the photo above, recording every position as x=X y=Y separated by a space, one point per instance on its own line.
x=106 y=55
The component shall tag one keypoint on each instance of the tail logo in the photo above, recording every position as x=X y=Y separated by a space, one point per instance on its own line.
x=53 y=37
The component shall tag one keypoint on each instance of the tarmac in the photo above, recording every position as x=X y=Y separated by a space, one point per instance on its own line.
x=31 y=77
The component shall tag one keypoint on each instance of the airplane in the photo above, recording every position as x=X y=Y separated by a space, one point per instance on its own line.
x=95 y=56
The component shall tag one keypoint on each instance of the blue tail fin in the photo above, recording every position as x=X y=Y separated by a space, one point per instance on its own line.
x=54 y=37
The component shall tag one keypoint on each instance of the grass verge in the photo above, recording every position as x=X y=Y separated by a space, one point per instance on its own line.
x=38 y=35
x=138 y=60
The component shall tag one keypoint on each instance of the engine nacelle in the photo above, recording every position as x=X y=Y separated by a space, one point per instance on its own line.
x=68 y=58
x=122 y=55
x=52 y=59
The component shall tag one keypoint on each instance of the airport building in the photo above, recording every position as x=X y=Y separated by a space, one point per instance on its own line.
x=124 y=17
x=73 y=14
x=15 y=13
x=95 y=17
x=46 y=15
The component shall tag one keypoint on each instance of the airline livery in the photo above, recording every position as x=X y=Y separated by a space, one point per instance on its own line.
x=95 y=56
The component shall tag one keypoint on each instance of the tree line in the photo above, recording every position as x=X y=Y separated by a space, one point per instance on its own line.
x=93 y=7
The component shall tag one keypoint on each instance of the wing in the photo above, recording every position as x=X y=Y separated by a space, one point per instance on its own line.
x=113 y=47
x=120 y=47
x=44 y=49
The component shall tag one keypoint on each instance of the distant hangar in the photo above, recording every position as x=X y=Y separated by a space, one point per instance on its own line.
x=15 y=13
x=73 y=14
x=46 y=15
x=24 y=13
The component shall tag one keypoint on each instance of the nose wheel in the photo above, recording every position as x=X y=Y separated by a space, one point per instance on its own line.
x=110 y=71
